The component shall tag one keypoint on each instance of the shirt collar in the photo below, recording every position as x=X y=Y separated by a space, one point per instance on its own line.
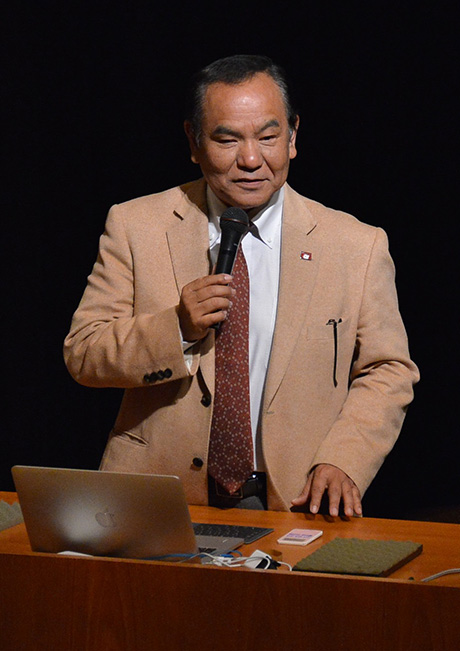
x=267 y=221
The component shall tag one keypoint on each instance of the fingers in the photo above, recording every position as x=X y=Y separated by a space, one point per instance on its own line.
x=323 y=479
x=351 y=498
x=304 y=495
x=203 y=303
x=338 y=486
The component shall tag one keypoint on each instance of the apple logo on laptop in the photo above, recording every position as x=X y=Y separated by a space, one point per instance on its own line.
x=106 y=518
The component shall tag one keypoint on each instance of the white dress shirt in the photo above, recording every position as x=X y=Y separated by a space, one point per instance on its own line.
x=262 y=249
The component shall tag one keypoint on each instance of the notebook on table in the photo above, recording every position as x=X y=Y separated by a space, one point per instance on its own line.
x=110 y=514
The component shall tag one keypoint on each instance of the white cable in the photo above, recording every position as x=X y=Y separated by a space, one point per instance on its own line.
x=454 y=570
x=222 y=561
x=287 y=565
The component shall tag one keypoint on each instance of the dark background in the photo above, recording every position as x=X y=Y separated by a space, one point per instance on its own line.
x=92 y=107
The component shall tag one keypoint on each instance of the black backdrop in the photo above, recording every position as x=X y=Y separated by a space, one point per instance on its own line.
x=93 y=116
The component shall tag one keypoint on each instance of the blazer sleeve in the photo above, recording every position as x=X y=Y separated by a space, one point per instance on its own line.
x=382 y=376
x=113 y=340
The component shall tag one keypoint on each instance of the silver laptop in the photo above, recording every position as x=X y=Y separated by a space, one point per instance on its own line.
x=110 y=514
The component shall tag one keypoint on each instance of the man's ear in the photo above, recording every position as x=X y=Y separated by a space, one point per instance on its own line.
x=292 y=140
x=191 y=141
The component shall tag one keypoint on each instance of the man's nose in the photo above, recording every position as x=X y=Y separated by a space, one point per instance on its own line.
x=249 y=156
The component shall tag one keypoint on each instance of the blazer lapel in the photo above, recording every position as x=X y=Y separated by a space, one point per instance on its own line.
x=188 y=239
x=188 y=242
x=300 y=253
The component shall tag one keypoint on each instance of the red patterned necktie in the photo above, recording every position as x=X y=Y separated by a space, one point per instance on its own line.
x=231 y=452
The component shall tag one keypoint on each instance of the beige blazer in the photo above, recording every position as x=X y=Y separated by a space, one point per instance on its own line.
x=330 y=397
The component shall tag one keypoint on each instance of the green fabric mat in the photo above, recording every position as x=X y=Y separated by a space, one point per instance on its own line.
x=362 y=557
x=10 y=515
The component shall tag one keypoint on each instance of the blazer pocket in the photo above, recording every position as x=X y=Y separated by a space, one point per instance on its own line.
x=328 y=329
x=328 y=337
x=130 y=437
x=126 y=452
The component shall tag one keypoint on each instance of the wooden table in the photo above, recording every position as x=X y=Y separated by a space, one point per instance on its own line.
x=81 y=604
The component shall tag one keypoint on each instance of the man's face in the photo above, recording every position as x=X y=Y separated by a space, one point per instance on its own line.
x=245 y=145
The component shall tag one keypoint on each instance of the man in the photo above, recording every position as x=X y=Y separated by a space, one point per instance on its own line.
x=329 y=370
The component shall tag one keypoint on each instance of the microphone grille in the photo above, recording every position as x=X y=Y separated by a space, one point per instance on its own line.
x=235 y=219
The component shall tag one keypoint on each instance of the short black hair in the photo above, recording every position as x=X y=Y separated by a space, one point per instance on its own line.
x=234 y=70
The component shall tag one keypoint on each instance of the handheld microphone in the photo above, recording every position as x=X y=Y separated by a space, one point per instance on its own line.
x=234 y=223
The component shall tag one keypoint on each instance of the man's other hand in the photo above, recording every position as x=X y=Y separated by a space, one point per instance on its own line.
x=203 y=303
x=339 y=487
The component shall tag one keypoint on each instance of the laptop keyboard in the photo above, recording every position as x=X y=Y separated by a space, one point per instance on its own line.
x=250 y=534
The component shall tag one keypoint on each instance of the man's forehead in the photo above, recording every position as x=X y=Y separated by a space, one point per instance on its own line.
x=263 y=82
x=259 y=95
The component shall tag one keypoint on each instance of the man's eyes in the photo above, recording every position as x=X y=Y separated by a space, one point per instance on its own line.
x=230 y=141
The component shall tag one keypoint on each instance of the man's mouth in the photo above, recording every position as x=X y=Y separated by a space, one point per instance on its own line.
x=245 y=181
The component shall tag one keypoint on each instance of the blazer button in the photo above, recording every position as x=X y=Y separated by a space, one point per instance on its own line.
x=206 y=400
x=150 y=377
x=197 y=462
x=164 y=374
